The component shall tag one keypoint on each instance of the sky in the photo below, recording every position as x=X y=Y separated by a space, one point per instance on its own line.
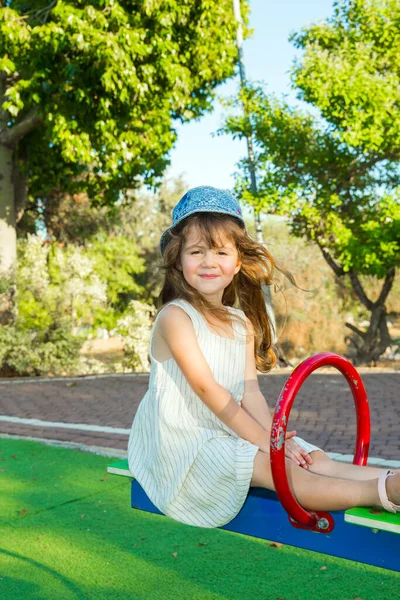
x=206 y=160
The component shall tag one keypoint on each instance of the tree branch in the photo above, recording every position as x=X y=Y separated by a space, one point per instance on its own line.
x=357 y=287
x=335 y=267
x=387 y=286
x=362 y=334
x=43 y=12
x=359 y=167
x=11 y=136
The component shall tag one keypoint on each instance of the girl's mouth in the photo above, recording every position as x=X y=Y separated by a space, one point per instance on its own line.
x=208 y=276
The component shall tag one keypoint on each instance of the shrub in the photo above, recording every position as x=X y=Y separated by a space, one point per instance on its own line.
x=135 y=327
x=37 y=352
x=56 y=285
x=57 y=291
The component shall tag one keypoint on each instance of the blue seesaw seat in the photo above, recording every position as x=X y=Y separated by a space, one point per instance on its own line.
x=365 y=535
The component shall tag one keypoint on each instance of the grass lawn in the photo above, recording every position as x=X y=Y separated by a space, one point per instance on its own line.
x=67 y=531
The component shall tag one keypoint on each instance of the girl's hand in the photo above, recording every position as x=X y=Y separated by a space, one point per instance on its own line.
x=295 y=452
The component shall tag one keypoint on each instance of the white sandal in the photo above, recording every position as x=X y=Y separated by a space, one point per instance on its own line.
x=383 y=497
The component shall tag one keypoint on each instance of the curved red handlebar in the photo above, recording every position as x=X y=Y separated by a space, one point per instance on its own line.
x=319 y=521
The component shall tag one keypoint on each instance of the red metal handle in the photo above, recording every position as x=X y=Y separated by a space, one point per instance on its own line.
x=318 y=520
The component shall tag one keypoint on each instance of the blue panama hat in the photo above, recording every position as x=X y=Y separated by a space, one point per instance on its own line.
x=202 y=199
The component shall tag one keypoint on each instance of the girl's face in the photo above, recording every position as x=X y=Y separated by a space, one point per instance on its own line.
x=208 y=270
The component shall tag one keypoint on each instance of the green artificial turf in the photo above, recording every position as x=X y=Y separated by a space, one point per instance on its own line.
x=68 y=532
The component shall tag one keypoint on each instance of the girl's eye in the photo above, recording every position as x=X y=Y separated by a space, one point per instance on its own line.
x=198 y=252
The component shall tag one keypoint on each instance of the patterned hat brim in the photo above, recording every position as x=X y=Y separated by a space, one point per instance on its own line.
x=165 y=237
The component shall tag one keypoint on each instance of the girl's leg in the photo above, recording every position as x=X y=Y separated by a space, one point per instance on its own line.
x=323 y=465
x=318 y=492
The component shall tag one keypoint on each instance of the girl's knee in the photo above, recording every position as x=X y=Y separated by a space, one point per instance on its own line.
x=318 y=457
x=262 y=475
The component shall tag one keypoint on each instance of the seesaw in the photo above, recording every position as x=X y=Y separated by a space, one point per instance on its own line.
x=366 y=535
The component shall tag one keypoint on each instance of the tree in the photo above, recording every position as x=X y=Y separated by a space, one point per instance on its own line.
x=89 y=93
x=336 y=176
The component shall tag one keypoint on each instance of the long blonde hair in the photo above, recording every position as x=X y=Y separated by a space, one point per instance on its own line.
x=244 y=291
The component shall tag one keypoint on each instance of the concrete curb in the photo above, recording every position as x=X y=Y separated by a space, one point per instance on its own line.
x=17 y=380
x=283 y=371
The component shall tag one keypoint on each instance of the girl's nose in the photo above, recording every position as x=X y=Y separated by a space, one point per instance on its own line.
x=209 y=258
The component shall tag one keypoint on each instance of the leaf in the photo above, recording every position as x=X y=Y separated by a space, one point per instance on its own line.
x=174 y=554
x=275 y=545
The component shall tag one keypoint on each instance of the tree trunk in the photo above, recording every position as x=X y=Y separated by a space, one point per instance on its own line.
x=13 y=182
x=8 y=237
x=13 y=196
x=371 y=344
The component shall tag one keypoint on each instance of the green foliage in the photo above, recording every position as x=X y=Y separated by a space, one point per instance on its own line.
x=56 y=286
x=37 y=352
x=105 y=81
x=135 y=328
x=116 y=261
x=57 y=291
x=336 y=177
x=122 y=244
x=350 y=70
x=64 y=295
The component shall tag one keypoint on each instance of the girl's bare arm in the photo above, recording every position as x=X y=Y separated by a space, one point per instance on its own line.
x=256 y=406
x=177 y=330
x=253 y=401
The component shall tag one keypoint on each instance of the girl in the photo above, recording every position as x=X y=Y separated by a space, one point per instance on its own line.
x=200 y=437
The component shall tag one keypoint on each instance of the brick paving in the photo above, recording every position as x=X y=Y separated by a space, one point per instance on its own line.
x=323 y=412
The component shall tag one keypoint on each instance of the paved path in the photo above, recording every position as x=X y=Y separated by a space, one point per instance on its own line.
x=323 y=412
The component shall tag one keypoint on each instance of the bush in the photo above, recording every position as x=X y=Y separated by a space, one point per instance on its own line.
x=57 y=291
x=37 y=352
x=135 y=328
x=65 y=290
x=56 y=286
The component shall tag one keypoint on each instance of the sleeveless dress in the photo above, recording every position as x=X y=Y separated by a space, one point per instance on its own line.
x=192 y=466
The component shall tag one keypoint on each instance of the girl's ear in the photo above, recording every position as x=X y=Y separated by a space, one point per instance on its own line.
x=238 y=266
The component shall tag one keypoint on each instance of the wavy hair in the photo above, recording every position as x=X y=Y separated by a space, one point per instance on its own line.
x=244 y=291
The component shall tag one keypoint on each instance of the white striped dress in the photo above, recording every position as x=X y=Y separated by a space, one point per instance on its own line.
x=192 y=466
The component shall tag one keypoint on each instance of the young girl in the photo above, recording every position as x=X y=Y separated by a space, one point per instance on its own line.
x=200 y=437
